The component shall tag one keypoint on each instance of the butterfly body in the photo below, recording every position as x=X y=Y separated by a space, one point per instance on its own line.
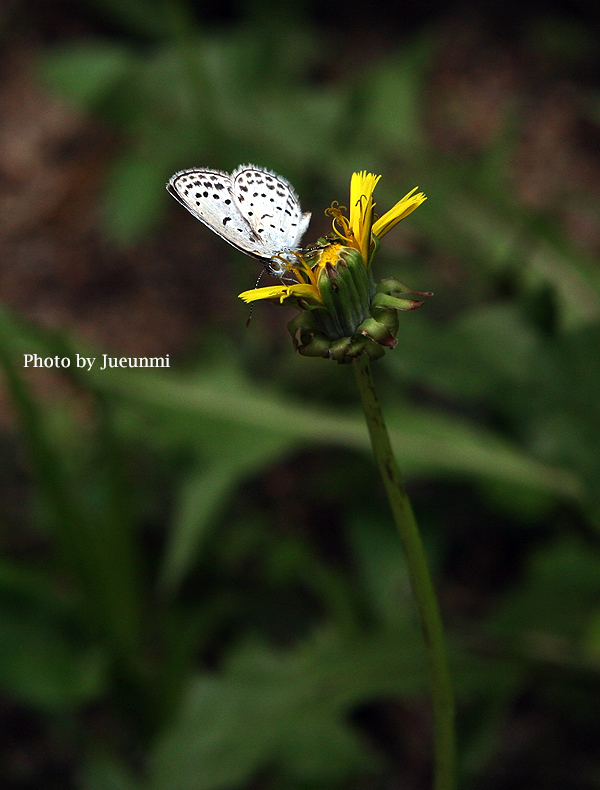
x=253 y=209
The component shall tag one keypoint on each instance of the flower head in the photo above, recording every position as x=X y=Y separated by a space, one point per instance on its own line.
x=343 y=313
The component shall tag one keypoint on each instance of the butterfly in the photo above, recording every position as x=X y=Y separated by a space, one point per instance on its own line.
x=255 y=210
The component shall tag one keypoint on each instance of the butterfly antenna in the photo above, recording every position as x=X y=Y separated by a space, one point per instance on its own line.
x=252 y=305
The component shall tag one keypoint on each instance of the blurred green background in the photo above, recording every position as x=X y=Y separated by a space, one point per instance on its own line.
x=200 y=584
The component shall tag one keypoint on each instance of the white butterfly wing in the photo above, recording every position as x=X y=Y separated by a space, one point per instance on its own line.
x=271 y=207
x=208 y=195
x=254 y=210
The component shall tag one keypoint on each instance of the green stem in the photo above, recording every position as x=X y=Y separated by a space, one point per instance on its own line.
x=442 y=696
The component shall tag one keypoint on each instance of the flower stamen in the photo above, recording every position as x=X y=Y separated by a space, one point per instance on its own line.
x=344 y=231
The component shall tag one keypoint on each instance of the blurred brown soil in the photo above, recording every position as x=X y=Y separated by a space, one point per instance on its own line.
x=57 y=268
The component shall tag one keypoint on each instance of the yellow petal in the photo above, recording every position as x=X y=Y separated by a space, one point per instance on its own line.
x=282 y=292
x=362 y=186
x=304 y=291
x=402 y=209
x=271 y=292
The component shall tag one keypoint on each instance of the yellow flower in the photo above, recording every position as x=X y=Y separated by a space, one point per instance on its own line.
x=357 y=231
x=343 y=312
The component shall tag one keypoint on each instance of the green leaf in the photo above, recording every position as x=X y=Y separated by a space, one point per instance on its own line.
x=381 y=565
x=221 y=399
x=556 y=600
x=425 y=440
x=104 y=772
x=394 y=91
x=44 y=657
x=288 y=710
x=206 y=491
x=96 y=549
x=456 y=359
x=87 y=72
x=134 y=194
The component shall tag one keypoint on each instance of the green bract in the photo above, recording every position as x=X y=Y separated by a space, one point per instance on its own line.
x=356 y=317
